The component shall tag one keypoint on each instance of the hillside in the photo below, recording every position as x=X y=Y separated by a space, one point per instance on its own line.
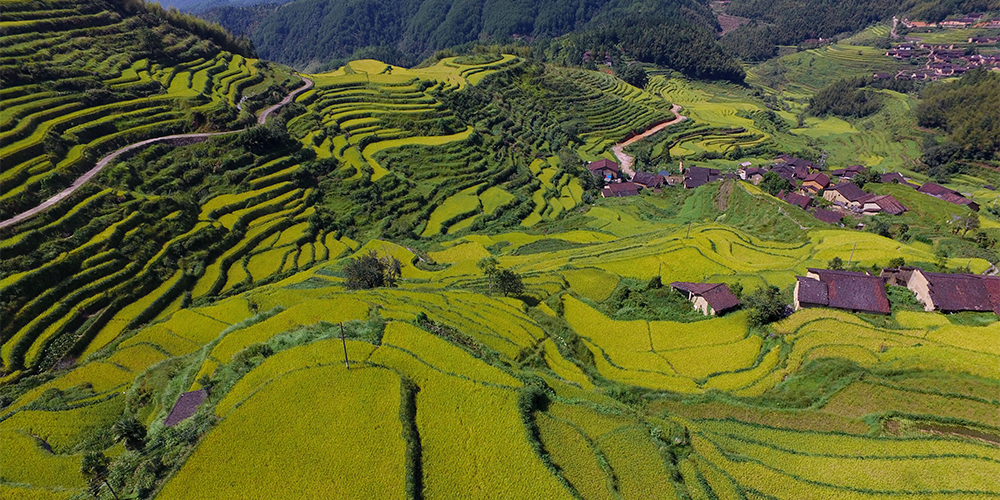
x=197 y=317
x=310 y=33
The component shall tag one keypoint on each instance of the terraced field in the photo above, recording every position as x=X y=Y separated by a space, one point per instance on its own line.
x=442 y=356
x=220 y=267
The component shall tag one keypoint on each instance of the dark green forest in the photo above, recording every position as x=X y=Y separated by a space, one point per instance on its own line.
x=967 y=110
x=323 y=33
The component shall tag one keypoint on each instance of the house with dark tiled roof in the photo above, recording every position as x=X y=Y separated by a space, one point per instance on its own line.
x=620 y=189
x=941 y=192
x=847 y=194
x=699 y=176
x=956 y=292
x=604 y=169
x=849 y=172
x=828 y=216
x=185 y=407
x=709 y=298
x=847 y=290
x=895 y=177
x=883 y=204
x=752 y=174
x=816 y=182
x=648 y=180
x=799 y=200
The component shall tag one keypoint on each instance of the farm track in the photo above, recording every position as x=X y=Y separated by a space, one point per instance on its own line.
x=103 y=162
x=619 y=149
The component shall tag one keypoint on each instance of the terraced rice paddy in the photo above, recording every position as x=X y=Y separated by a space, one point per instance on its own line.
x=124 y=296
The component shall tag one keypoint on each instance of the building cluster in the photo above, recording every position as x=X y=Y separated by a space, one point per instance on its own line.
x=940 y=61
x=863 y=292
x=807 y=180
x=617 y=185
x=974 y=20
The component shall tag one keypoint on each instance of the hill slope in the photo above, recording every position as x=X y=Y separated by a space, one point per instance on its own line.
x=306 y=33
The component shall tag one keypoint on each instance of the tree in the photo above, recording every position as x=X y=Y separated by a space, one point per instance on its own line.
x=503 y=280
x=371 y=271
x=632 y=74
x=765 y=306
x=836 y=263
x=868 y=177
x=969 y=223
x=94 y=468
x=774 y=184
x=130 y=432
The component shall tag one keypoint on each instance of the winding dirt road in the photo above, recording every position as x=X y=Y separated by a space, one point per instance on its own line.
x=103 y=162
x=624 y=159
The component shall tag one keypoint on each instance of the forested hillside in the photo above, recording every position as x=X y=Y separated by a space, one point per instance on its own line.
x=789 y=22
x=309 y=33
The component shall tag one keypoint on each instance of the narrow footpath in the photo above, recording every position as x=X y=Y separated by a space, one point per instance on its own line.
x=624 y=159
x=103 y=162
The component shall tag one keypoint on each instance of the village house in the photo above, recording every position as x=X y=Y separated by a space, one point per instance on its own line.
x=882 y=204
x=620 y=189
x=828 y=216
x=846 y=174
x=800 y=200
x=604 y=169
x=648 y=180
x=984 y=39
x=850 y=291
x=897 y=276
x=941 y=192
x=815 y=182
x=752 y=174
x=897 y=178
x=709 y=298
x=699 y=176
x=956 y=292
x=846 y=194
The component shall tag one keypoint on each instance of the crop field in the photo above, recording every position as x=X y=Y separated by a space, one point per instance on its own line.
x=223 y=265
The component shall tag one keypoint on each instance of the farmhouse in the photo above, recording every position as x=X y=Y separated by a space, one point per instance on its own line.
x=604 y=169
x=897 y=178
x=846 y=290
x=800 y=200
x=699 y=176
x=849 y=172
x=648 y=180
x=897 y=276
x=956 y=292
x=709 y=298
x=941 y=192
x=816 y=182
x=620 y=189
x=847 y=194
x=883 y=204
x=752 y=174
x=186 y=405
x=828 y=216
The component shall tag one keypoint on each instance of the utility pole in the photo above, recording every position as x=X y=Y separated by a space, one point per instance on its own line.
x=852 y=254
x=343 y=338
x=689 y=231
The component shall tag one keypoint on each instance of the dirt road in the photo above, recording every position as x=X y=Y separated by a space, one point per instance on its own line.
x=624 y=159
x=103 y=162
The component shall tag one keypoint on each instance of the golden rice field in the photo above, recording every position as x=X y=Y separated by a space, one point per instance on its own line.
x=572 y=389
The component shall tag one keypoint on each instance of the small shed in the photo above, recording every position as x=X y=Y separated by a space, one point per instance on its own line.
x=709 y=298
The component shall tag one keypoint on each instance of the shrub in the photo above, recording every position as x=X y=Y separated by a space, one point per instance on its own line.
x=371 y=271
x=766 y=305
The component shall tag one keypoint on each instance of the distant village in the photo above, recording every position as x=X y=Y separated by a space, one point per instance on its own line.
x=942 y=61
x=807 y=181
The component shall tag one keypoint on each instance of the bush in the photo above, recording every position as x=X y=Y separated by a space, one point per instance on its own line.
x=371 y=271
x=765 y=305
